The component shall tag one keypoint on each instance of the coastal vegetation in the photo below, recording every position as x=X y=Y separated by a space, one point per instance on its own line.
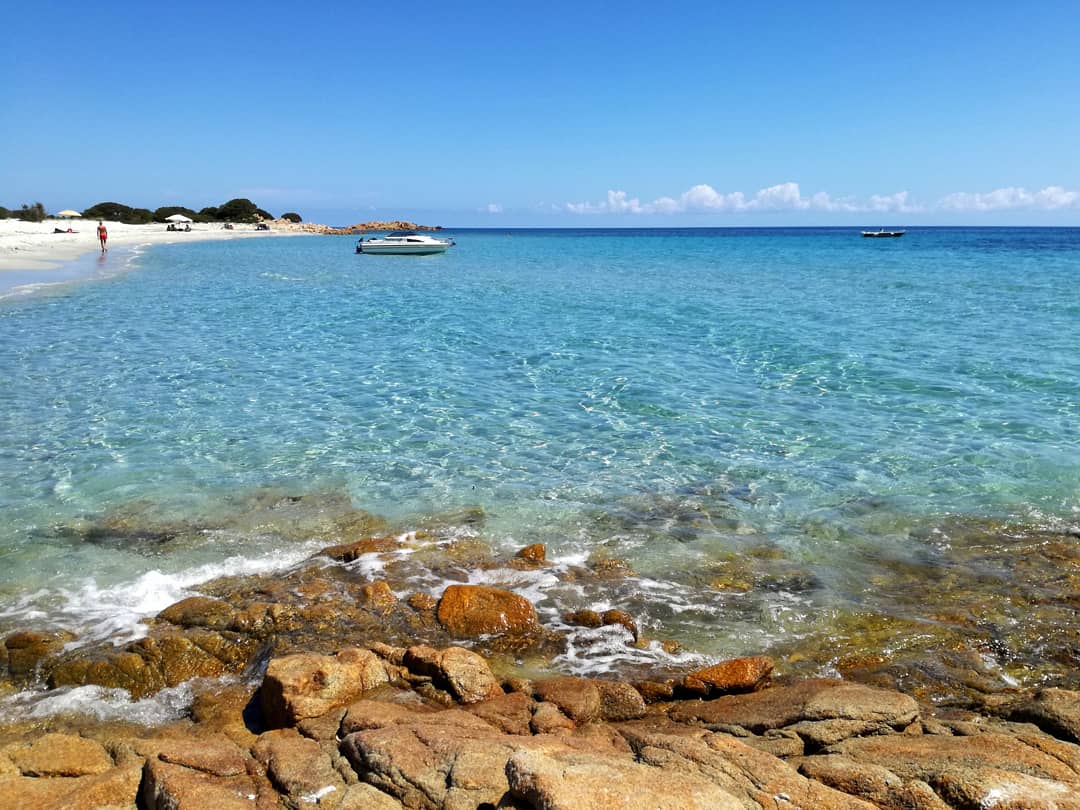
x=236 y=210
x=28 y=213
x=293 y=217
x=240 y=210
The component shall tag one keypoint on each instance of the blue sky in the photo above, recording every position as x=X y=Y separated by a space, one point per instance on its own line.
x=553 y=114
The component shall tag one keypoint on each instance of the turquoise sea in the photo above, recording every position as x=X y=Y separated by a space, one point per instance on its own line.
x=767 y=429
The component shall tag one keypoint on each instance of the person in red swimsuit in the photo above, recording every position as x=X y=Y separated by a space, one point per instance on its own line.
x=103 y=235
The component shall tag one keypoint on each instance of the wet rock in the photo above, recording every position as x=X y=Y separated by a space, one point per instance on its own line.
x=530 y=556
x=622 y=618
x=200 y=611
x=348 y=552
x=299 y=686
x=656 y=691
x=27 y=650
x=578 y=698
x=377 y=596
x=569 y=780
x=60 y=755
x=584 y=618
x=298 y=767
x=461 y=672
x=814 y=700
x=150 y=664
x=736 y=675
x=1055 y=711
x=468 y=611
x=422 y=602
x=610 y=568
x=260 y=619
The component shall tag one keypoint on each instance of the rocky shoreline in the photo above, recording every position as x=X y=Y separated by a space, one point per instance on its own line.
x=342 y=684
x=358 y=228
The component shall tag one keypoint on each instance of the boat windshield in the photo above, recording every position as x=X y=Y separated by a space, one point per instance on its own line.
x=403 y=233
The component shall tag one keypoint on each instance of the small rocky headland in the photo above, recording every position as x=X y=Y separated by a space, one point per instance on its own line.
x=340 y=684
x=381 y=226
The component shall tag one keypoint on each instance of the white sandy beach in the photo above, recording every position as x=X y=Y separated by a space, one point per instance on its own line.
x=33 y=246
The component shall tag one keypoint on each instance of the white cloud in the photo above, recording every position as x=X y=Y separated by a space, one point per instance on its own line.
x=704 y=198
x=897 y=203
x=493 y=208
x=1003 y=199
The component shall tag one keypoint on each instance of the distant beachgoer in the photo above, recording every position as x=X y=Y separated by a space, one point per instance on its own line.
x=103 y=235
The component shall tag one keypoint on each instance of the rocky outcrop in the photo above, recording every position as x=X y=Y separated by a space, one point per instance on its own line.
x=375 y=696
x=64 y=770
x=301 y=686
x=571 y=780
x=425 y=727
x=360 y=227
x=818 y=711
x=464 y=674
x=151 y=664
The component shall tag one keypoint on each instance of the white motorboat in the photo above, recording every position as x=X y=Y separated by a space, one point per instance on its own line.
x=404 y=242
x=883 y=234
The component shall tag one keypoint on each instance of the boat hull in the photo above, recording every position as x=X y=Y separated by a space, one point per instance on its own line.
x=403 y=250
x=882 y=234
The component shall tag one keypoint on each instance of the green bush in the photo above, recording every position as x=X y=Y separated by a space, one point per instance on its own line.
x=119 y=212
x=30 y=213
x=4 y=213
x=240 y=210
x=292 y=217
x=162 y=214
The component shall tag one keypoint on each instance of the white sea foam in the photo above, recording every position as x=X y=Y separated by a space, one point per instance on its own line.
x=116 y=612
x=166 y=706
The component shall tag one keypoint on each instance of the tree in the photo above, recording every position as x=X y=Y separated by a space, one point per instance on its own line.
x=239 y=210
x=119 y=213
x=31 y=213
x=162 y=214
x=4 y=213
x=292 y=217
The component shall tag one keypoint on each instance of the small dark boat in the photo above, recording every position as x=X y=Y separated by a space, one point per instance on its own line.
x=883 y=233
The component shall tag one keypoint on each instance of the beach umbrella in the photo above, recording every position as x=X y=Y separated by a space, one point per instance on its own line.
x=178 y=218
x=67 y=212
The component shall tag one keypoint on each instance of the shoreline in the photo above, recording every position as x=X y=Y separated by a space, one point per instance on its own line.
x=327 y=686
x=32 y=254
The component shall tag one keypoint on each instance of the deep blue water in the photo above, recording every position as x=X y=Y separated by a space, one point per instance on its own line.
x=664 y=397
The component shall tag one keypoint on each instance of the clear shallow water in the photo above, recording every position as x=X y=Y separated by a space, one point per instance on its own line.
x=675 y=400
